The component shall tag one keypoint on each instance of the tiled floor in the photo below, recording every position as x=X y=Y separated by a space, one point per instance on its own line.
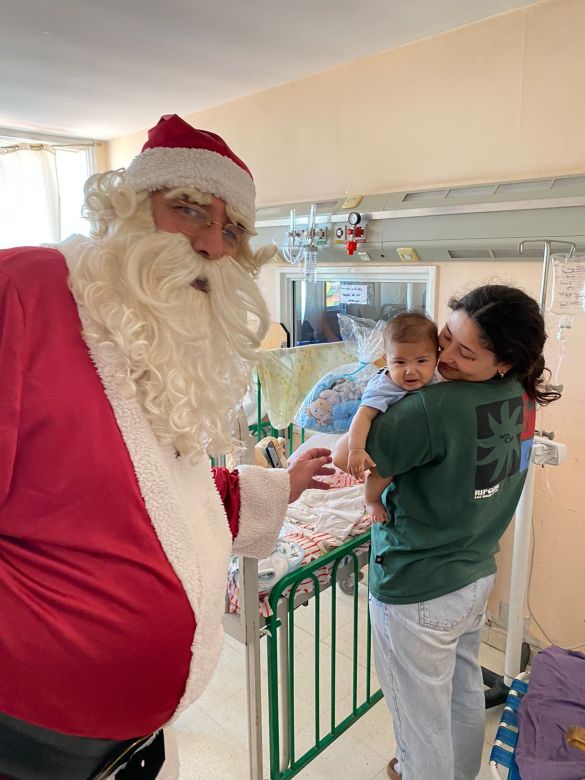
x=212 y=734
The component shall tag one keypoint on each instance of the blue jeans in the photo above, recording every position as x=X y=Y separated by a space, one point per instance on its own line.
x=427 y=660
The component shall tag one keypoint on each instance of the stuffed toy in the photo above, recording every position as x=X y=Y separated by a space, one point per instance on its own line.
x=320 y=410
x=330 y=406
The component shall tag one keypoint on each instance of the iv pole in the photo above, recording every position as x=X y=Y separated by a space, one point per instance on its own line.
x=543 y=452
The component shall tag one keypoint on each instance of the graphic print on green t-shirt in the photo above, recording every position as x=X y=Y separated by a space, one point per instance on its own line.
x=504 y=431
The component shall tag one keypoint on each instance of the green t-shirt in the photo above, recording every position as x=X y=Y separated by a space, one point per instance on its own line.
x=459 y=453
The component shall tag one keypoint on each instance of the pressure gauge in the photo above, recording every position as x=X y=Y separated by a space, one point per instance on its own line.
x=354 y=218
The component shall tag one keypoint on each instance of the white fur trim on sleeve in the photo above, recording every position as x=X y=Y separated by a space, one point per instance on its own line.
x=264 y=497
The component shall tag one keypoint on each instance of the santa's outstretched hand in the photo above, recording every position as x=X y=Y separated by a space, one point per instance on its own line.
x=304 y=468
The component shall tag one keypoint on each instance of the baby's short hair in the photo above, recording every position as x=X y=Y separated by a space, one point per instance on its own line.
x=409 y=327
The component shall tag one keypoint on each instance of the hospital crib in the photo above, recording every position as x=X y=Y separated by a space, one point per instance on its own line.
x=330 y=716
x=286 y=760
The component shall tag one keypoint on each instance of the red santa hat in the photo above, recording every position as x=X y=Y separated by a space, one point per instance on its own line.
x=178 y=155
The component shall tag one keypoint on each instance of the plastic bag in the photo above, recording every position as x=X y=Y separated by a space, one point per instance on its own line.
x=331 y=404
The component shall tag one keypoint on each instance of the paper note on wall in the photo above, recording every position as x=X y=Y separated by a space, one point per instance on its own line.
x=349 y=292
x=569 y=285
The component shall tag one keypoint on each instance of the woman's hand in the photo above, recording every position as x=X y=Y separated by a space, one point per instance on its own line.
x=304 y=468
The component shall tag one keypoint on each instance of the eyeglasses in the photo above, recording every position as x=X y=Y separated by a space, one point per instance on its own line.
x=193 y=219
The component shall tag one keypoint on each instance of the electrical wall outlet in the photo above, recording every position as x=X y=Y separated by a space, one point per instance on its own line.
x=548 y=453
x=407 y=254
x=352 y=201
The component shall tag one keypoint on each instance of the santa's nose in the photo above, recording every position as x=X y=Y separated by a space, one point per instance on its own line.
x=209 y=243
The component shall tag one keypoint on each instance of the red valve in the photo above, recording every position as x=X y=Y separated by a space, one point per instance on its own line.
x=350 y=247
x=358 y=231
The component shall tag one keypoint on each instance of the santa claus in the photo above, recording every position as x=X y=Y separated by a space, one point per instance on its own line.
x=121 y=359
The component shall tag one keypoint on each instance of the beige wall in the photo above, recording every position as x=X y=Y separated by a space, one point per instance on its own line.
x=501 y=99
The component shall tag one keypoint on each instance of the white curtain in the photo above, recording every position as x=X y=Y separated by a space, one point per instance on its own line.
x=29 y=196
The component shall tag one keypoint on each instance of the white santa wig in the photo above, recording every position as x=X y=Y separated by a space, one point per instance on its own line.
x=184 y=353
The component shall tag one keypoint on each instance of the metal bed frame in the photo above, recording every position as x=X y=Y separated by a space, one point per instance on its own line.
x=345 y=560
x=248 y=627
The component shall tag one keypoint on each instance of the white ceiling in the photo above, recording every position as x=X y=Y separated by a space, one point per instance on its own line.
x=103 y=68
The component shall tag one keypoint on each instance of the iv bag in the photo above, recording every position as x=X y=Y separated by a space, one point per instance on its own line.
x=568 y=293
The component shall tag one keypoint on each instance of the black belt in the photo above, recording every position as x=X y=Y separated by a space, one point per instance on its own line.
x=141 y=760
x=36 y=753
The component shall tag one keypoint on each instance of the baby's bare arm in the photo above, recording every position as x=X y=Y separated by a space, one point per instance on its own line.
x=358 y=460
x=360 y=427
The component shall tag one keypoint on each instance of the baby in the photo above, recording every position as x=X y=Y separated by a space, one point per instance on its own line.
x=411 y=345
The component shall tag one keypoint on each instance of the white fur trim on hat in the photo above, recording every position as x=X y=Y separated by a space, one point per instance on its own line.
x=167 y=168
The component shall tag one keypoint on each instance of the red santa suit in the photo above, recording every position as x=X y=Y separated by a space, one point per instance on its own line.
x=113 y=552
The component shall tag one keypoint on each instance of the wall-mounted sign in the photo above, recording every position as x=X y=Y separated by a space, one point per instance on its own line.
x=350 y=292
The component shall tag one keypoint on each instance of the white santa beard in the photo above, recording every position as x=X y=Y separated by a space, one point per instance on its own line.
x=185 y=354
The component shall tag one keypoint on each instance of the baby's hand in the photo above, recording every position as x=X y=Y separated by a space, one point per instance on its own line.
x=357 y=463
x=377 y=510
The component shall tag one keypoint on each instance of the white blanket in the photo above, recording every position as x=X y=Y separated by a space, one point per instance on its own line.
x=329 y=511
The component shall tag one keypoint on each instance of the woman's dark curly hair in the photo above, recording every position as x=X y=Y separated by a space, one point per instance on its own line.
x=511 y=327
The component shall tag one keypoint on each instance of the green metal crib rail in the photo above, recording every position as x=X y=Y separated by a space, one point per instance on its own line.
x=345 y=560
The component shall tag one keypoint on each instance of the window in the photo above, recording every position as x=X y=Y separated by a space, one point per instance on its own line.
x=41 y=190
x=310 y=311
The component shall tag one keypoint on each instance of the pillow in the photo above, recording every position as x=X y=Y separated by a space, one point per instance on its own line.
x=328 y=440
